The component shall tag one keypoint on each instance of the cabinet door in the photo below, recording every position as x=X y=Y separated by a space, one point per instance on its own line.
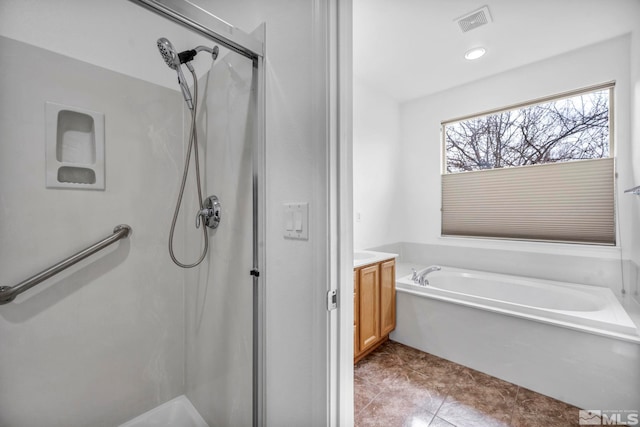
x=369 y=306
x=356 y=337
x=387 y=297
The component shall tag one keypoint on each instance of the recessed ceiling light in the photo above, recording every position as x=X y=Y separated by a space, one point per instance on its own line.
x=475 y=53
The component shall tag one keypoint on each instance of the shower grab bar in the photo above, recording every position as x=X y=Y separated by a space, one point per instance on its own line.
x=8 y=293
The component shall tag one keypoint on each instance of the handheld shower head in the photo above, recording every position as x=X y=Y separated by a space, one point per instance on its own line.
x=168 y=53
x=173 y=59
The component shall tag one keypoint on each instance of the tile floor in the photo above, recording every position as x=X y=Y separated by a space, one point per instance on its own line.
x=400 y=386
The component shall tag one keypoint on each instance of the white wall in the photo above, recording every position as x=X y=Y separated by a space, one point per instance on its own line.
x=101 y=342
x=118 y=35
x=376 y=171
x=420 y=128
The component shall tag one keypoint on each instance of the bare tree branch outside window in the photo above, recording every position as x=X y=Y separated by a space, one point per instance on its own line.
x=562 y=130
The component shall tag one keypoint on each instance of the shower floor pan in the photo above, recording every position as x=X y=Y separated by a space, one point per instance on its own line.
x=178 y=412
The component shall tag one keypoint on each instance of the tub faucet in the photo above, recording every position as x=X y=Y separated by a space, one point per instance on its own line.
x=420 y=277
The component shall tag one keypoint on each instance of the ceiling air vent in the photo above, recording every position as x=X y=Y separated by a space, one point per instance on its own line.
x=474 y=19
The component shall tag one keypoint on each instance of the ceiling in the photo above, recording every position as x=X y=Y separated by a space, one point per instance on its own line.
x=413 y=48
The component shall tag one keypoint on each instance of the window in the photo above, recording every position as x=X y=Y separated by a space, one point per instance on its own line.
x=537 y=171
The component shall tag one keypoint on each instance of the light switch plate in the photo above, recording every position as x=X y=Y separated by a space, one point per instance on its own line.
x=296 y=221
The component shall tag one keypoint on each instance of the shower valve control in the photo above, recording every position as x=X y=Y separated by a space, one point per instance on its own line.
x=210 y=213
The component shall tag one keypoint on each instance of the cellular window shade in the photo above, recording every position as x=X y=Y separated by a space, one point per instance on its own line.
x=567 y=202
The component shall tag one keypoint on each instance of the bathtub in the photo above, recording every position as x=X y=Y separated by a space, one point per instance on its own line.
x=573 y=342
x=589 y=308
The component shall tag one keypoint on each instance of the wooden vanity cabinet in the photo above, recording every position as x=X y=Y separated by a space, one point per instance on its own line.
x=374 y=306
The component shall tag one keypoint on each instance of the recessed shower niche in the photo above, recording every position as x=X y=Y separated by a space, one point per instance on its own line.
x=74 y=147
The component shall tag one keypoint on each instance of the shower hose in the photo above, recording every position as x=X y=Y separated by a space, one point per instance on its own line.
x=193 y=144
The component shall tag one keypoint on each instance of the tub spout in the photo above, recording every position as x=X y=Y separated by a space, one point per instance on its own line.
x=420 y=277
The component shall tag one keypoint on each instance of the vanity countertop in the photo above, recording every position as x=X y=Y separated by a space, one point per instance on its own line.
x=361 y=258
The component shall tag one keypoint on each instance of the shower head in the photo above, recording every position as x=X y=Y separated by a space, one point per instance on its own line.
x=168 y=53
x=174 y=59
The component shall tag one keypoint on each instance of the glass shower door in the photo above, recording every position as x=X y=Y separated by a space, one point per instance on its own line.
x=219 y=293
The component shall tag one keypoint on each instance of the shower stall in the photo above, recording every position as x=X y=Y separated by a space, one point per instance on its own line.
x=89 y=141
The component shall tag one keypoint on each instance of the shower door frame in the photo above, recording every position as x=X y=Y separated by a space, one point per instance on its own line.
x=202 y=22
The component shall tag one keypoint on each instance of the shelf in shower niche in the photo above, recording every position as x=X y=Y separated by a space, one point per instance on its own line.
x=76 y=175
x=74 y=147
x=75 y=138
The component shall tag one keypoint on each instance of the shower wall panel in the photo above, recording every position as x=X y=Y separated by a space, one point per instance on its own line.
x=103 y=341
x=219 y=292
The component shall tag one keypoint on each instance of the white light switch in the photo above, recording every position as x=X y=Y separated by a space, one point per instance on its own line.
x=288 y=220
x=296 y=220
